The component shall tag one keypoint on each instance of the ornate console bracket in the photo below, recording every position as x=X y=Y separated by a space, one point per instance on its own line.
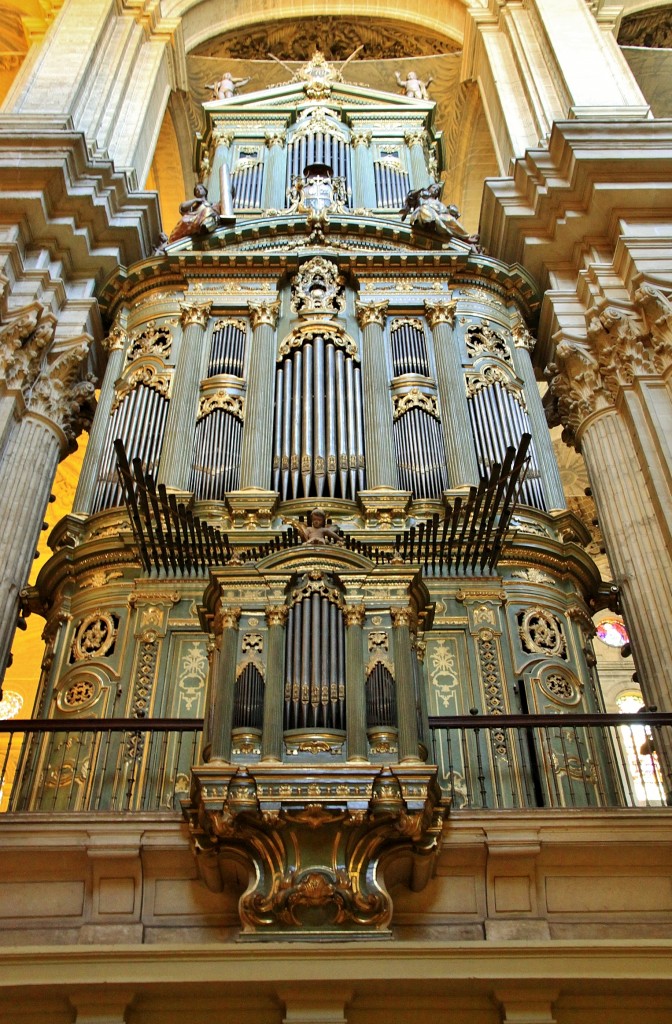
x=314 y=845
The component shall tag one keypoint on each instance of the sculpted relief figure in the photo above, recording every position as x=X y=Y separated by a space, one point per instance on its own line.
x=198 y=216
x=225 y=88
x=317 y=532
x=413 y=86
x=425 y=210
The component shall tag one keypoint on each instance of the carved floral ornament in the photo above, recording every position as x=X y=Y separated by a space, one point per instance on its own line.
x=61 y=395
x=541 y=633
x=95 y=636
x=154 y=341
x=480 y=339
x=24 y=343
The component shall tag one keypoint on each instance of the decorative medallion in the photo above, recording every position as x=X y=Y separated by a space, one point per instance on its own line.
x=541 y=633
x=95 y=636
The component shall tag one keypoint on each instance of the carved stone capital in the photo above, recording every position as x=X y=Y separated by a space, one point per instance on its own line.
x=115 y=340
x=194 y=313
x=360 y=137
x=415 y=137
x=401 y=617
x=522 y=338
x=226 y=618
x=62 y=395
x=263 y=313
x=441 y=312
x=275 y=137
x=371 y=313
x=576 y=387
x=354 y=614
x=277 y=616
x=223 y=136
x=24 y=343
x=657 y=309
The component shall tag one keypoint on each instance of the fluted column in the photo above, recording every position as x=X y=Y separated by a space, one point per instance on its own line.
x=355 y=694
x=222 y=684
x=58 y=407
x=257 y=447
x=362 y=166
x=271 y=740
x=416 y=140
x=543 y=446
x=381 y=464
x=459 y=439
x=274 y=171
x=177 y=450
x=406 y=705
x=114 y=345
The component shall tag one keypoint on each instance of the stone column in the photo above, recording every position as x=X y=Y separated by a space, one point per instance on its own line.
x=364 y=192
x=355 y=694
x=58 y=407
x=274 y=171
x=178 y=443
x=257 y=447
x=416 y=140
x=271 y=739
x=403 y=665
x=457 y=432
x=114 y=345
x=548 y=466
x=222 y=684
x=381 y=464
x=595 y=384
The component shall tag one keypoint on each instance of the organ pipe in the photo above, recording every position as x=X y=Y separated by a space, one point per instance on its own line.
x=409 y=348
x=216 y=464
x=420 y=453
x=139 y=421
x=248 y=699
x=497 y=421
x=318 y=429
x=315 y=663
x=227 y=352
x=381 y=702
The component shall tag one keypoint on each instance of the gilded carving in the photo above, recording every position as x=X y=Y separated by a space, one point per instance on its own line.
x=371 y=313
x=318 y=287
x=154 y=341
x=360 y=137
x=252 y=642
x=401 y=617
x=95 y=636
x=415 y=399
x=194 y=313
x=233 y=404
x=443 y=677
x=148 y=376
x=490 y=375
x=541 y=633
x=441 y=312
x=378 y=640
x=275 y=137
x=276 y=616
x=480 y=339
x=263 y=313
x=354 y=615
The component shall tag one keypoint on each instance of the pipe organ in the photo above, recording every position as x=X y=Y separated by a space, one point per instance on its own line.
x=342 y=358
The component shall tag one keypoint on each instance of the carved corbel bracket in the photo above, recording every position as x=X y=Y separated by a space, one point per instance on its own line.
x=314 y=845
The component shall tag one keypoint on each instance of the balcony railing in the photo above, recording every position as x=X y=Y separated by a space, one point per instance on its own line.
x=496 y=762
x=93 y=765
x=503 y=762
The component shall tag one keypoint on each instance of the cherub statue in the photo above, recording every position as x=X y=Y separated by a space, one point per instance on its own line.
x=413 y=86
x=225 y=88
x=317 y=532
x=161 y=243
x=198 y=215
x=427 y=211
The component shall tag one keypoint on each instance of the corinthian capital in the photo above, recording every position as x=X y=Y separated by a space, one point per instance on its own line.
x=415 y=137
x=657 y=309
x=194 y=313
x=522 y=338
x=577 y=387
x=401 y=617
x=371 y=313
x=275 y=137
x=115 y=339
x=441 y=312
x=62 y=395
x=263 y=313
x=277 y=616
x=24 y=342
x=354 y=614
x=226 y=618
x=360 y=137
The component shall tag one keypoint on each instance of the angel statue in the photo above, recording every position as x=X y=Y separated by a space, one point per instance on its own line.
x=427 y=211
x=317 y=531
x=413 y=86
x=198 y=215
x=225 y=88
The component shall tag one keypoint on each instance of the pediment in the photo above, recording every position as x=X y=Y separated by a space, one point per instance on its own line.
x=344 y=95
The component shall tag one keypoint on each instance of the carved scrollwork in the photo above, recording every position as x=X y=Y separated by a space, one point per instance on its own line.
x=318 y=286
x=95 y=636
x=415 y=399
x=154 y=341
x=233 y=404
x=490 y=375
x=542 y=633
x=481 y=339
x=148 y=375
x=302 y=334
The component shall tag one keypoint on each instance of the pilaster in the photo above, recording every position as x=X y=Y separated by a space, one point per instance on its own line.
x=257 y=446
x=222 y=683
x=355 y=707
x=271 y=741
x=381 y=464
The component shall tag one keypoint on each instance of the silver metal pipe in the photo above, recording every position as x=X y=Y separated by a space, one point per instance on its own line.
x=352 y=432
x=277 y=429
x=319 y=440
x=307 y=419
x=359 y=427
x=332 y=443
